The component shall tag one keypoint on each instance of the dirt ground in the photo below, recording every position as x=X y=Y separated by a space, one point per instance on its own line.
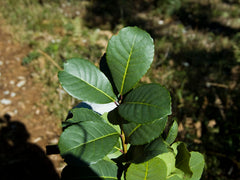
x=20 y=98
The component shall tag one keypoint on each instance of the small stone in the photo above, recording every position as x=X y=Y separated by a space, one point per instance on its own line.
x=160 y=22
x=1 y=63
x=21 y=77
x=12 y=82
x=37 y=139
x=21 y=83
x=6 y=92
x=13 y=94
x=54 y=141
x=37 y=112
x=6 y=101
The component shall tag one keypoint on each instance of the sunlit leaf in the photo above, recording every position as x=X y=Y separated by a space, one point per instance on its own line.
x=154 y=169
x=196 y=165
x=169 y=159
x=145 y=104
x=82 y=114
x=84 y=81
x=129 y=56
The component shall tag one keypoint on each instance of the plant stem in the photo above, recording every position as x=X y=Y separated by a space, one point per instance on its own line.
x=124 y=145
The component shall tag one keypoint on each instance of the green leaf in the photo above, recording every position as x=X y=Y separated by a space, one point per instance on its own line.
x=138 y=134
x=182 y=158
x=84 y=81
x=129 y=56
x=172 y=134
x=169 y=160
x=82 y=114
x=145 y=104
x=176 y=175
x=103 y=169
x=142 y=153
x=196 y=165
x=89 y=141
x=155 y=169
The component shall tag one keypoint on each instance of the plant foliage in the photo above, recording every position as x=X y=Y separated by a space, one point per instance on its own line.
x=90 y=141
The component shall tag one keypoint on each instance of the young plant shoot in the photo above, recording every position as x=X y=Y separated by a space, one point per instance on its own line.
x=122 y=138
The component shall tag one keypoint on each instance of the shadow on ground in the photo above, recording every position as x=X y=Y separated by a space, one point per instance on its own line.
x=20 y=159
x=200 y=16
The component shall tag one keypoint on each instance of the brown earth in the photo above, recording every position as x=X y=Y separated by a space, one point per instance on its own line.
x=20 y=97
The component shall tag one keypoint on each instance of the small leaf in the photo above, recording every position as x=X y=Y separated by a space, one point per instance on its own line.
x=101 y=170
x=182 y=158
x=169 y=160
x=142 y=153
x=154 y=169
x=172 y=134
x=138 y=134
x=145 y=104
x=129 y=56
x=89 y=141
x=196 y=165
x=84 y=81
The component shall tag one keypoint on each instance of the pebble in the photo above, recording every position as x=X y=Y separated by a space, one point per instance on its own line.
x=54 y=141
x=37 y=112
x=37 y=139
x=1 y=63
x=6 y=92
x=160 y=22
x=21 y=83
x=21 y=77
x=13 y=94
x=6 y=101
x=12 y=82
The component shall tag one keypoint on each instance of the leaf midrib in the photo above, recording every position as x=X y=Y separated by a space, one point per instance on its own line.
x=91 y=141
x=142 y=103
x=92 y=86
x=146 y=172
x=138 y=126
x=127 y=66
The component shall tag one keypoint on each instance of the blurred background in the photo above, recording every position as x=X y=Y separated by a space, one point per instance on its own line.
x=197 y=58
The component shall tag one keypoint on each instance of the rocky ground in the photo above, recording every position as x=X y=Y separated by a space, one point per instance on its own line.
x=20 y=97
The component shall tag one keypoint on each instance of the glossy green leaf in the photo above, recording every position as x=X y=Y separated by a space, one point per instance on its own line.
x=88 y=141
x=138 y=134
x=102 y=170
x=154 y=169
x=172 y=134
x=196 y=165
x=82 y=114
x=129 y=56
x=182 y=158
x=142 y=153
x=84 y=81
x=145 y=104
